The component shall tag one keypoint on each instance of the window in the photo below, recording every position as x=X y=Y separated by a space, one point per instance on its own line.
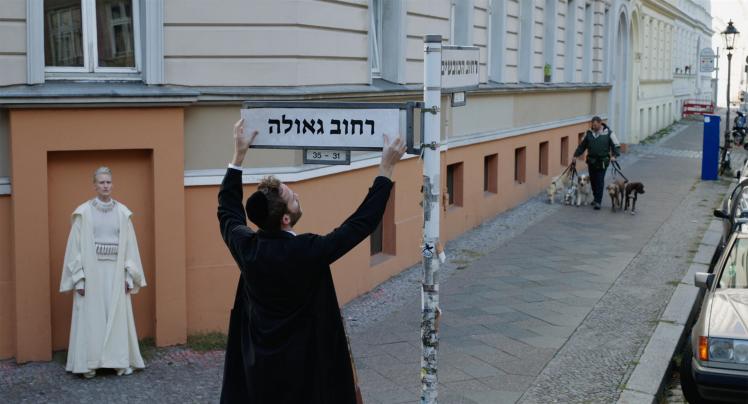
x=375 y=38
x=90 y=36
x=387 y=39
x=519 y=165
x=462 y=23
x=580 y=137
x=543 y=158
x=650 y=122
x=735 y=273
x=382 y=240
x=549 y=39
x=496 y=40
x=587 y=59
x=565 y=151
x=606 y=45
x=454 y=184
x=526 y=36
x=570 y=42
x=490 y=173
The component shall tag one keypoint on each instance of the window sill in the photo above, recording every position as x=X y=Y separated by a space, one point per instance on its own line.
x=453 y=207
x=93 y=77
x=488 y=194
x=379 y=258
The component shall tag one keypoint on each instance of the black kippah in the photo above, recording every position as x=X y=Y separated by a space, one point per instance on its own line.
x=257 y=208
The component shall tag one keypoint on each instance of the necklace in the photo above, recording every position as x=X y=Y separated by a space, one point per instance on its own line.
x=101 y=206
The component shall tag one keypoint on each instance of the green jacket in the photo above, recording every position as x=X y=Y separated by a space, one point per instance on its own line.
x=599 y=148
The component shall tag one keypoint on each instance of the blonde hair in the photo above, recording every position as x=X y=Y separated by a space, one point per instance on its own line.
x=101 y=170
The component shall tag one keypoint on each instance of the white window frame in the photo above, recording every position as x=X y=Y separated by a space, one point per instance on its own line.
x=588 y=43
x=496 y=40
x=375 y=39
x=149 y=47
x=550 y=26
x=570 y=45
x=462 y=24
x=90 y=48
x=526 y=41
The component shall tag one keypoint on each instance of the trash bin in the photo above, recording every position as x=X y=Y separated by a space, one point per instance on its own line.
x=710 y=152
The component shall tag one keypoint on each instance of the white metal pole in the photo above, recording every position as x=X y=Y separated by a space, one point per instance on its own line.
x=431 y=192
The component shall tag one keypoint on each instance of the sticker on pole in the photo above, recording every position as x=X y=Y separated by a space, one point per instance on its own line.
x=460 y=67
x=324 y=126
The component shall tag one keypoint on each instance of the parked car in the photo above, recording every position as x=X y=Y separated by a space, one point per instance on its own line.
x=734 y=211
x=715 y=368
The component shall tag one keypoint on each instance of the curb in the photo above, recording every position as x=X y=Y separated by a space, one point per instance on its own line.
x=649 y=376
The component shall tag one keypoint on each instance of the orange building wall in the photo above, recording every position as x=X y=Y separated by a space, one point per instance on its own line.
x=327 y=201
x=192 y=277
x=7 y=283
x=479 y=206
x=36 y=138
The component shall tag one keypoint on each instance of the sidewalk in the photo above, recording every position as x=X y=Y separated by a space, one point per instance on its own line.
x=561 y=312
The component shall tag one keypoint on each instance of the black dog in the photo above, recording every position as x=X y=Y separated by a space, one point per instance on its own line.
x=633 y=189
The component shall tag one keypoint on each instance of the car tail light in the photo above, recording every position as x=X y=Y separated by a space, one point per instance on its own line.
x=703 y=349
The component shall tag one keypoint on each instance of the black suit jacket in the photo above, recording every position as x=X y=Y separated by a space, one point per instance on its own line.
x=286 y=339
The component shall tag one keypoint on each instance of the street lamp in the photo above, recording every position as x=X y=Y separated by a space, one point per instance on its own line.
x=729 y=34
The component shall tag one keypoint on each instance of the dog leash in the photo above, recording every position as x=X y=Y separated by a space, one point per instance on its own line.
x=572 y=165
x=617 y=169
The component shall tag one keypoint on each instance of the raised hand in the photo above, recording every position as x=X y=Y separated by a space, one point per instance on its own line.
x=242 y=141
x=391 y=153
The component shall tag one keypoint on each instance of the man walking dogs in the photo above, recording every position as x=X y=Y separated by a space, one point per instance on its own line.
x=286 y=339
x=602 y=147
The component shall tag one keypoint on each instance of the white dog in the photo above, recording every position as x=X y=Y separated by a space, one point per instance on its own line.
x=559 y=184
x=584 y=190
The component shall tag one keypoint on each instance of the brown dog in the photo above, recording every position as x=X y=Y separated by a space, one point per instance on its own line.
x=616 y=190
x=632 y=191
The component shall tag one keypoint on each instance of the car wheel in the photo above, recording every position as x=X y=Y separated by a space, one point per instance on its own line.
x=687 y=384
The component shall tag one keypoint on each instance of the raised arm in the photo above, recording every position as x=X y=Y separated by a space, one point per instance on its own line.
x=231 y=216
x=365 y=219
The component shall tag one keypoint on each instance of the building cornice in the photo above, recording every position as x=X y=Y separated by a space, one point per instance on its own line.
x=674 y=12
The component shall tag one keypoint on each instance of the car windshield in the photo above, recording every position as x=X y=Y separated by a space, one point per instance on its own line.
x=735 y=273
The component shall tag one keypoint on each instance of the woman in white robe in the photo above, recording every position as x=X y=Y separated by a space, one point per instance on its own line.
x=102 y=264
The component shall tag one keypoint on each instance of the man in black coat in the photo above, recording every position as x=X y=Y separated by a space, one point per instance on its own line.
x=286 y=339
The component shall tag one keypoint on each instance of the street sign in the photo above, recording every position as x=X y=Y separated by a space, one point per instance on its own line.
x=320 y=156
x=458 y=99
x=326 y=126
x=460 y=67
x=706 y=60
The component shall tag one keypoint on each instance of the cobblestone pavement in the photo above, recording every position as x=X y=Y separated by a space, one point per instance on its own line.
x=560 y=311
x=173 y=375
